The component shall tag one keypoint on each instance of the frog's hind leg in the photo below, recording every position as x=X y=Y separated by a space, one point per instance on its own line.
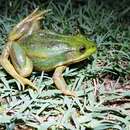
x=60 y=82
x=10 y=69
x=28 y=25
x=22 y=64
x=4 y=61
x=20 y=31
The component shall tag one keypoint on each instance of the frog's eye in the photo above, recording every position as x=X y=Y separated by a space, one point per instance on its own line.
x=82 y=49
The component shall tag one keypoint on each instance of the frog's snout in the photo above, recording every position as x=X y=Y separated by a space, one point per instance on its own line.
x=93 y=47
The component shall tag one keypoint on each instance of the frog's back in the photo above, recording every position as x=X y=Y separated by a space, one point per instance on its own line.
x=46 y=50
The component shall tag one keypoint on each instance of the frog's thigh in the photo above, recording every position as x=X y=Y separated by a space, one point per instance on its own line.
x=60 y=82
x=22 y=64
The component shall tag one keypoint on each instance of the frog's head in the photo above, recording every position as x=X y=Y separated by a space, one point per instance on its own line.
x=81 y=48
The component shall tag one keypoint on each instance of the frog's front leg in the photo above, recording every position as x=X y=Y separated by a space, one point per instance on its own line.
x=21 y=64
x=60 y=82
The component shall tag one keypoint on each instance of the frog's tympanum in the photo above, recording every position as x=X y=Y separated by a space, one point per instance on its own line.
x=29 y=48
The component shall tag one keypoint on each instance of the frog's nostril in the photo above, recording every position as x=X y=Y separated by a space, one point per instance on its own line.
x=93 y=46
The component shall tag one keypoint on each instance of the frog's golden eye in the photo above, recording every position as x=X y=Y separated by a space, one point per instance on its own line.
x=82 y=49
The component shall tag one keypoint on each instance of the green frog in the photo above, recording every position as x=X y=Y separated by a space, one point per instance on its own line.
x=30 y=47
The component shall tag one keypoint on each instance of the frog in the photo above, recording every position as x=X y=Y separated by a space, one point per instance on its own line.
x=29 y=47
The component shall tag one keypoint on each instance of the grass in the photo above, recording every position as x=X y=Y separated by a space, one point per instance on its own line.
x=101 y=82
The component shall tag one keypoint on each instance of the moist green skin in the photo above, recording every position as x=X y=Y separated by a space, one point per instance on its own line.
x=48 y=50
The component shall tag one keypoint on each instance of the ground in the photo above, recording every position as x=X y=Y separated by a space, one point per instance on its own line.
x=102 y=81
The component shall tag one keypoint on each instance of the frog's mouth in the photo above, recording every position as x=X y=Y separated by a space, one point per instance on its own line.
x=73 y=60
x=84 y=56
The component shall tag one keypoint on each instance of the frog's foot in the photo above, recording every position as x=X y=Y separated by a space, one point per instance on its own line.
x=28 y=25
x=23 y=81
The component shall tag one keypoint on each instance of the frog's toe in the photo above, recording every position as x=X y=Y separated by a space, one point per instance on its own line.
x=69 y=93
x=22 y=84
x=31 y=85
x=25 y=81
